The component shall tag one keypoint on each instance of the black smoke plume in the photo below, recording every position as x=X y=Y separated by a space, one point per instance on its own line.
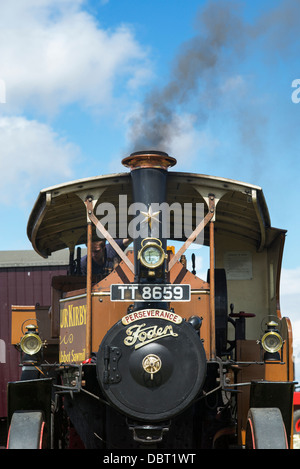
x=206 y=63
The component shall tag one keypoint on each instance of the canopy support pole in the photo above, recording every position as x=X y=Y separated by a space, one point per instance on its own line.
x=212 y=290
x=88 y=333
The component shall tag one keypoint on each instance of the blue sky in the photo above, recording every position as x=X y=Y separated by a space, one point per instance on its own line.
x=78 y=73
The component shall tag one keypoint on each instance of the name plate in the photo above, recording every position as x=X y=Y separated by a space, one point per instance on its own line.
x=150 y=292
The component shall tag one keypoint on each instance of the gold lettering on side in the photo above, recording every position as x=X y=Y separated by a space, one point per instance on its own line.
x=71 y=356
x=73 y=316
x=139 y=335
x=66 y=339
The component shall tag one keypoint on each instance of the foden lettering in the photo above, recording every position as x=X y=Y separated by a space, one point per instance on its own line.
x=140 y=335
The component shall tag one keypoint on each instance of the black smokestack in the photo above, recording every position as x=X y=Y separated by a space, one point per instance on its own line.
x=149 y=186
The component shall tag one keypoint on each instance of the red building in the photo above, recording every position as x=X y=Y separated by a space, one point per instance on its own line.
x=25 y=279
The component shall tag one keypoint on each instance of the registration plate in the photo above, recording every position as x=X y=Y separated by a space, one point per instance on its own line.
x=150 y=292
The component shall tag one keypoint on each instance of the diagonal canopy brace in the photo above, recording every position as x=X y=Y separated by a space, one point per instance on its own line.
x=105 y=233
x=195 y=233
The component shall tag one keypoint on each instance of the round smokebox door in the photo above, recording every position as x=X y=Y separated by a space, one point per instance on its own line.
x=151 y=369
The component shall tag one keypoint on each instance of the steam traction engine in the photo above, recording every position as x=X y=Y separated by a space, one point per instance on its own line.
x=151 y=355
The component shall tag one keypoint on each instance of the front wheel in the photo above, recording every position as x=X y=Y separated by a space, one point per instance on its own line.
x=27 y=431
x=265 y=429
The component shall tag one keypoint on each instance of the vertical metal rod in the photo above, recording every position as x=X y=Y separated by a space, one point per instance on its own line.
x=71 y=260
x=88 y=336
x=212 y=291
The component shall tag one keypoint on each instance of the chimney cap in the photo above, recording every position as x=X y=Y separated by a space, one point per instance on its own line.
x=149 y=159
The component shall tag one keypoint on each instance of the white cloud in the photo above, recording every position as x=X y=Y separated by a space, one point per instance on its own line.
x=187 y=140
x=290 y=281
x=234 y=84
x=31 y=156
x=53 y=53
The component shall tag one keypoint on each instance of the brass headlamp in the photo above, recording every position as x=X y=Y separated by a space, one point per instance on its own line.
x=31 y=343
x=272 y=341
x=151 y=255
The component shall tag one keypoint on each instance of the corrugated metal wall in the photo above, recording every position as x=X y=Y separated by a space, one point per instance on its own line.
x=26 y=285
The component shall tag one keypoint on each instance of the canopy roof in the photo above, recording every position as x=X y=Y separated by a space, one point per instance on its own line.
x=58 y=219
